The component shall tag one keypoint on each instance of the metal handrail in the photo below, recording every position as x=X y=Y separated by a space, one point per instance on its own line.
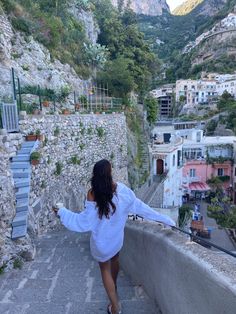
x=202 y=241
x=195 y=237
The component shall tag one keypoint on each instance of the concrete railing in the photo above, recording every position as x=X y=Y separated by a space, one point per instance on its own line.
x=180 y=276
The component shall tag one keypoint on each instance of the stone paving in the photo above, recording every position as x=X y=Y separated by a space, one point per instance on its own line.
x=64 y=279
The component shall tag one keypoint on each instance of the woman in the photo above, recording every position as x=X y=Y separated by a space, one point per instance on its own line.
x=106 y=210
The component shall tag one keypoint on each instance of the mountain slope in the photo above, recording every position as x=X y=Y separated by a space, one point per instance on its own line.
x=148 y=7
x=169 y=34
x=186 y=7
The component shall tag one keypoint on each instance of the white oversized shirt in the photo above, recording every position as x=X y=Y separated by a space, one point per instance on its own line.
x=107 y=235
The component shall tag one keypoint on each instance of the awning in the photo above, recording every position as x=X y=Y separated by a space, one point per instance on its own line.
x=199 y=186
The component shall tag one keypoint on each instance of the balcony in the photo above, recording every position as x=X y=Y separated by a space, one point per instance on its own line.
x=194 y=179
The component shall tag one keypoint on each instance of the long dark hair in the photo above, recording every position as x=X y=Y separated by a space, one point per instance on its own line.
x=103 y=188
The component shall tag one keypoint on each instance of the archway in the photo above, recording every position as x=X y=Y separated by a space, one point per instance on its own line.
x=160 y=166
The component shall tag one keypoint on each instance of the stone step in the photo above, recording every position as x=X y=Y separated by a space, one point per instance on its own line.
x=18 y=173
x=22 y=205
x=20 y=219
x=19 y=232
x=25 y=150
x=20 y=183
x=21 y=157
x=22 y=193
x=20 y=165
x=28 y=144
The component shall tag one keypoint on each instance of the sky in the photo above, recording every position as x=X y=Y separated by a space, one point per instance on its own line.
x=174 y=3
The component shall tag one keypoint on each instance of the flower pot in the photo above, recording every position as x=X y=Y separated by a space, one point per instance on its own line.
x=66 y=112
x=36 y=111
x=34 y=162
x=30 y=137
x=40 y=137
x=45 y=103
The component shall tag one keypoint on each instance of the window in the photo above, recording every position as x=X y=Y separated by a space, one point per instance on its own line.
x=198 y=137
x=220 y=172
x=235 y=171
x=192 y=173
x=173 y=161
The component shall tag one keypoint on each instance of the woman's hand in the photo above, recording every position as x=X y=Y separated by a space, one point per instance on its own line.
x=55 y=209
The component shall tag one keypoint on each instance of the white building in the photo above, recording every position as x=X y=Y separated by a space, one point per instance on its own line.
x=196 y=92
x=166 y=152
x=227 y=85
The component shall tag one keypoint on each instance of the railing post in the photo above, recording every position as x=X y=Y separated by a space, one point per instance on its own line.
x=75 y=100
x=40 y=100
x=19 y=92
x=13 y=83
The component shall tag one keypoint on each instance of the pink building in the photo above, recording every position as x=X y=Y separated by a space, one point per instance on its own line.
x=196 y=173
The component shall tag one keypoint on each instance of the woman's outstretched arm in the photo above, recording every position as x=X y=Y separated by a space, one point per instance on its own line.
x=80 y=222
x=140 y=208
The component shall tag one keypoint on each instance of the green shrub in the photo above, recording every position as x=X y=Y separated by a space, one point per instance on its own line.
x=89 y=131
x=75 y=160
x=18 y=263
x=25 y=67
x=100 y=132
x=81 y=146
x=2 y=268
x=35 y=156
x=56 y=131
x=58 y=170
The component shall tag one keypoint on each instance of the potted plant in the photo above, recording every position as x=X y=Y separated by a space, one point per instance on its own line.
x=31 y=137
x=65 y=111
x=45 y=103
x=35 y=158
x=39 y=136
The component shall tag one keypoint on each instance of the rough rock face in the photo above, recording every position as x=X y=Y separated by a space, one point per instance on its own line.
x=86 y=17
x=32 y=61
x=217 y=42
x=210 y=7
x=148 y=7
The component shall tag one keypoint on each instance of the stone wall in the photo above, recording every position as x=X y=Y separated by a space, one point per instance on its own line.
x=71 y=146
x=9 y=250
x=179 y=275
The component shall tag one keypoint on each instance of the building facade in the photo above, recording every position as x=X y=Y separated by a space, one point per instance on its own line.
x=165 y=98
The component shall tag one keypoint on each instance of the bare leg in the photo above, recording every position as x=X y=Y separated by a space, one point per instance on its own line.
x=109 y=285
x=115 y=267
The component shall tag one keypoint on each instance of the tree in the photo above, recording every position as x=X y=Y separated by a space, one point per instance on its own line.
x=226 y=101
x=211 y=126
x=116 y=73
x=223 y=212
x=152 y=108
x=185 y=212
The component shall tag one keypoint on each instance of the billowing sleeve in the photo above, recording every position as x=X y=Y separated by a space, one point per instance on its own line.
x=140 y=208
x=80 y=222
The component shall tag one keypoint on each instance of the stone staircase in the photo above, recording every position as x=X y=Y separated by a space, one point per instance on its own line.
x=153 y=194
x=156 y=200
x=145 y=159
x=146 y=193
x=21 y=171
